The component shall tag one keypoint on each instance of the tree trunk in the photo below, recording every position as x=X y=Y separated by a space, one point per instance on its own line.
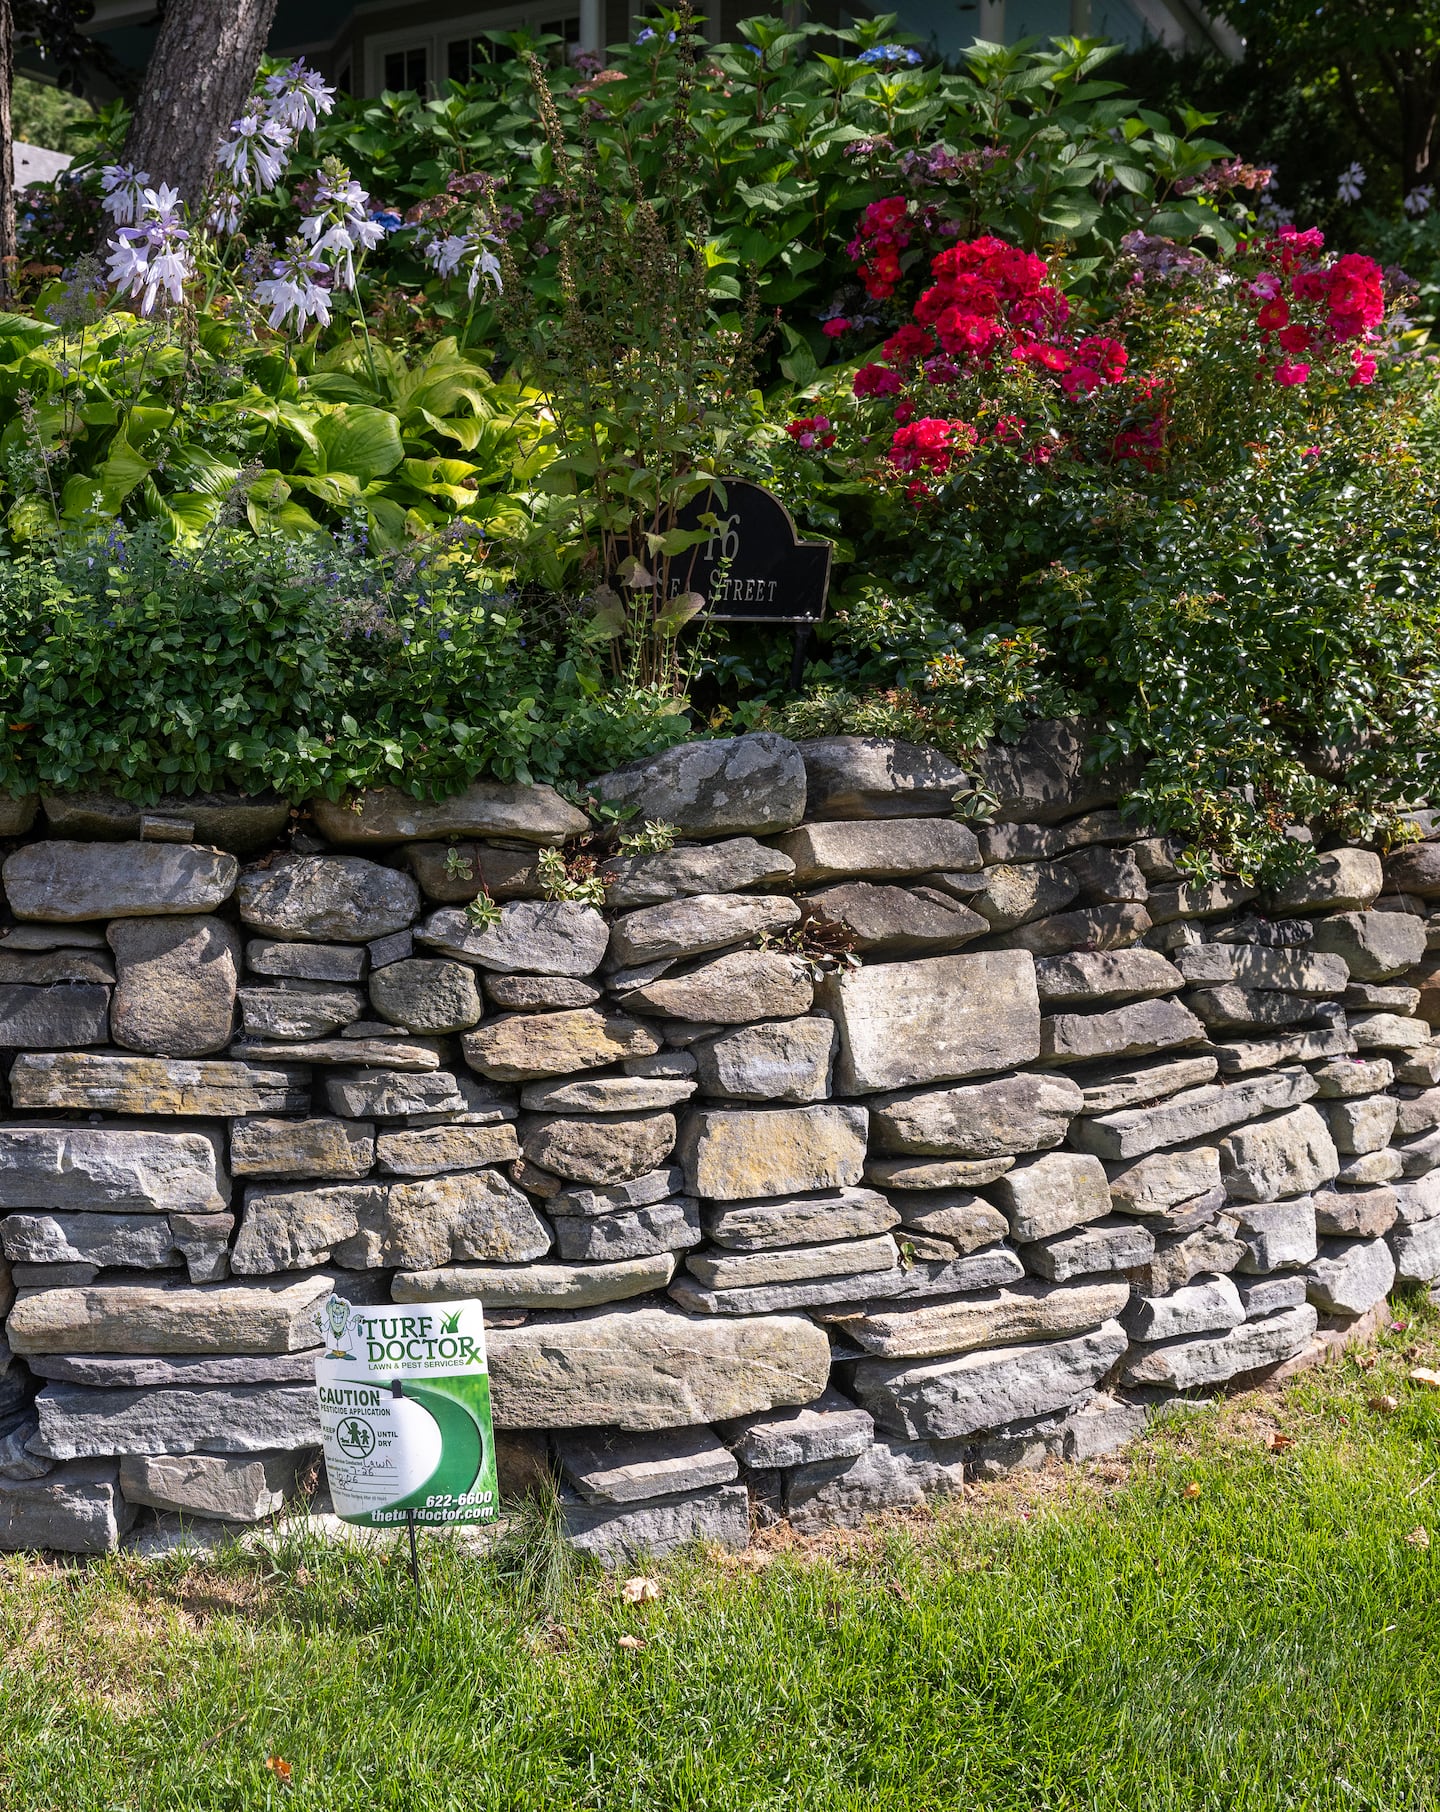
x=7 y=156
x=197 y=82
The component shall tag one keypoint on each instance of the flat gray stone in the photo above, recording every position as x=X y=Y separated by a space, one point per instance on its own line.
x=625 y=1468
x=879 y=849
x=692 y=868
x=1240 y=1057
x=306 y=962
x=1232 y=1009
x=73 y=1509
x=672 y=1226
x=1416 y=1251
x=961 y=1221
x=1094 y=977
x=65 y=882
x=399 y=1051
x=877 y=777
x=1047 y=774
x=120 y=1168
x=232 y=1489
x=888 y=1475
x=240 y=822
x=137 y=1371
x=1342 y=879
x=544 y=937
x=1265 y=1295
x=984 y=1270
x=1016 y=894
x=538 y=993
x=17 y=814
x=1161 y=1180
x=734 y=989
x=938 y=1019
x=428 y=1151
x=1013 y=1316
x=632 y=1192
x=1276 y=1235
x=696 y=924
x=265 y=1317
x=1140 y=1085
x=340 y=899
x=67 y=940
x=1011 y=1115
x=1210 y=1305
x=605 y=1095
x=1191 y=1115
x=1107 y=876
x=486 y=808
x=299 y=1010
x=63 y=1018
x=942 y=1399
x=1342 y=1077
x=1350 y=1276
x=526 y=1047
x=476 y=1214
x=1375 y=945
x=1087 y=928
x=782 y=1060
x=935 y=1173
x=899 y=921
x=755 y=1269
x=626 y=1535
x=549 y=1286
x=1051 y=1194
x=142 y=1242
x=1208 y=900
x=300 y=1148
x=176 y=984
x=602 y=1149
x=651 y=1367
x=154 y=1085
x=733 y=786
x=453 y=873
x=1253 y=1346
x=1139 y=1029
x=1111 y=1244
x=79 y=1423
x=803 y=1219
x=1354 y=1214
x=1389 y=1032
x=1257 y=969
x=395 y=1094
x=737 y=1154
x=1289 y=1154
x=833 y=1428
x=44 y=968
x=426 y=995
x=1179 y=1258
x=1371 y=1167
x=1363 y=1123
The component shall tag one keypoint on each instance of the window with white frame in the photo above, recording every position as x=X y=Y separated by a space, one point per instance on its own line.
x=451 y=50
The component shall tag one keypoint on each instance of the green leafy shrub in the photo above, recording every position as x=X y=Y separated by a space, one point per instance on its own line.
x=306 y=666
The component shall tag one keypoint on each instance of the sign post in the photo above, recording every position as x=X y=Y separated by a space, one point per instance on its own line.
x=404 y=1393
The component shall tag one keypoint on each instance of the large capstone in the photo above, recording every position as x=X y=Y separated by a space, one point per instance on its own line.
x=730 y=787
x=277 y=1317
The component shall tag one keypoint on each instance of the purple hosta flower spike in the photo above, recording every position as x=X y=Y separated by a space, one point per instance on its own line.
x=122 y=189
x=298 y=286
x=296 y=96
x=254 y=155
x=152 y=257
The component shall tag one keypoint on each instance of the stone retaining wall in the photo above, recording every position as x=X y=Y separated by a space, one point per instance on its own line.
x=851 y=1151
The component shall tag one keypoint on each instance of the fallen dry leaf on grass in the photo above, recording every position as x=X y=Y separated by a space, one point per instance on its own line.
x=1385 y=1406
x=1192 y=1489
x=633 y=1642
x=640 y=1590
x=1418 y=1538
x=280 y=1768
x=1421 y=1374
x=1277 y=1443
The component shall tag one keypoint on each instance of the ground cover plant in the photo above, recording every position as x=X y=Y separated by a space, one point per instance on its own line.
x=1240 y=1612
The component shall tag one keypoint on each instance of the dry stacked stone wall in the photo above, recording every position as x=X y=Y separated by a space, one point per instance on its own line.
x=761 y=1231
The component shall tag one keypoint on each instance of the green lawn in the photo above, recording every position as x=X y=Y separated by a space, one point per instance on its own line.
x=1222 y=1621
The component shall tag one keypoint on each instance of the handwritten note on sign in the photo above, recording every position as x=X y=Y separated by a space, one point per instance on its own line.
x=753 y=568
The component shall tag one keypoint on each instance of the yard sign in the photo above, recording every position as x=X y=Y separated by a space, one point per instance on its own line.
x=405 y=1413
